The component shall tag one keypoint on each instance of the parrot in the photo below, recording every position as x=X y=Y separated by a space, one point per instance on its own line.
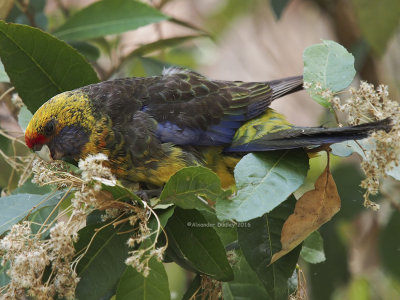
x=151 y=127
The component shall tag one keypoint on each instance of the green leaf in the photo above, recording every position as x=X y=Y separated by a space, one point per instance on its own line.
x=104 y=262
x=162 y=44
x=330 y=65
x=108 y=17
x=133 y=285
x=15 y=207
x=189 y=25
x=313 y=249
x=39 y=65
x=278 y=6
x=389 y=245
x=245 y=285
x=91 y=52
x=191 y=188
x=40 y=216
x=31 y=188
x=4 y=279
x=152 y=67
x=226 y=230
x=194 y=288
x=121 y=193
x=163 y=217
x=378 y=21
x=24 y=117
x=3 y=75
x=264 y=181
x=190 y=237
x=260 y=240
x=347 y=148
x=393 y=170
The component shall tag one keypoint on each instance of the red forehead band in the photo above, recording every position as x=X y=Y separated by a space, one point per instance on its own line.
x=35 y=140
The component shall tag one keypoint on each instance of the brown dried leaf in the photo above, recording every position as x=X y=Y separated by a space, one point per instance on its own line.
x=312 y=210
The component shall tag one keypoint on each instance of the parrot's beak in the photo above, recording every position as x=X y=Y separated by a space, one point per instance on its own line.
x=43 y=152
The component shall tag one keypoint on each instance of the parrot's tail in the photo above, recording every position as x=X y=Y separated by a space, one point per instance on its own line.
x=285 y=86
x=299 y=137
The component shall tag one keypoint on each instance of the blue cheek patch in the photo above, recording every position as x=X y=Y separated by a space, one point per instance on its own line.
x=70 y=140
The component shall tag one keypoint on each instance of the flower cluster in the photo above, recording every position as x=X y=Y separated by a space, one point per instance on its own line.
x=28 y=256
x=55 y=172
x=368 y=104
x=93 y=169
x=317 y=89
x=210 y=288
x=42 y=263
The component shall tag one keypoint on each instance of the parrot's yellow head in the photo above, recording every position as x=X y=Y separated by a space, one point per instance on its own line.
x=63 y=124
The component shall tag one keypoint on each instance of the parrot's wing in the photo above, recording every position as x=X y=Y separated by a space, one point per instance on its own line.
x=272 y=132
x=193 y=110
x=189 y=108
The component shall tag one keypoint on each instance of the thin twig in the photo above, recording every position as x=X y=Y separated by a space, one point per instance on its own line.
x=54 y=209
x=6 y=92
x=63 y=8
x=24 y=7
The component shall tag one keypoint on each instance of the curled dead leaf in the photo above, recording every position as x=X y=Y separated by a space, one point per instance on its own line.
x=313 y=209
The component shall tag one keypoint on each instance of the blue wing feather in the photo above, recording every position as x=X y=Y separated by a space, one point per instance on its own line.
x=220 y=134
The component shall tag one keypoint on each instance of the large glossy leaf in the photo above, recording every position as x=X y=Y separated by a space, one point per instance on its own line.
x=192 y=239
x=330 y=65
x=263 y=182
x=133 y=285
x=378 y=21
x=194 y=290
x=245 y=285
x=15 y=207
x=108 y=17
x=191 y=188
x=260 y=241
x=39 y=65
x=104 y=262
x=226 y=230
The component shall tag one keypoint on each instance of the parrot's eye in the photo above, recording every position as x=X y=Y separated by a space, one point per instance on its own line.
x=49 y=127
